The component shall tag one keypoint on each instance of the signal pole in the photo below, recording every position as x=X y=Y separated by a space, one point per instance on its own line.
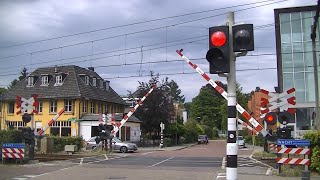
x=232 y=148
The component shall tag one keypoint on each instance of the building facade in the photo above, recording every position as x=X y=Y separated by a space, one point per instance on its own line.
x=80 y=91
x=295 y=61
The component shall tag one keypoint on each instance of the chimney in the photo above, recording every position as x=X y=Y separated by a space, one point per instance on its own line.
x=91 y=68
x=55 y=70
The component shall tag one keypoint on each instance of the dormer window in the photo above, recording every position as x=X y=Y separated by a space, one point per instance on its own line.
x=59 y=80
x=86 y=80
x=30 y=81
x=45 y=80
x=94 y=82
x=101 y=84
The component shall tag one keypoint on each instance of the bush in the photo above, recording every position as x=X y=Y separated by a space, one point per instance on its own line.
x=215 y=132
x=60 y=142
x=314 y=137
x=168 y=142
x=10 y=136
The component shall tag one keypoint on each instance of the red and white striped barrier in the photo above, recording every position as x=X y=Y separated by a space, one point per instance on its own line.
x=273 y=146
x=42 y=130
x=224 y=94
x=13 y=153
x=247 y=126
x=296 y=161
x=301 y=151
x=126 y=117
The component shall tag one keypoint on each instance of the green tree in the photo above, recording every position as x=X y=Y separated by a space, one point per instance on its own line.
x=23 y=74
x=158 y=107
x=211 y=107
x=2 y=90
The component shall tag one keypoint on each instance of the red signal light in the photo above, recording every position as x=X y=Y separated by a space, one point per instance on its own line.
x=270 y=118
x=218 y=39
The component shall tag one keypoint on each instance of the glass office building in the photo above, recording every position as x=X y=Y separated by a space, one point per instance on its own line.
x=295 y=61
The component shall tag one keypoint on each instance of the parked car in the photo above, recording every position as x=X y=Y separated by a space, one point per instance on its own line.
x=240 y=141
x=203 y=139
x=117 y=145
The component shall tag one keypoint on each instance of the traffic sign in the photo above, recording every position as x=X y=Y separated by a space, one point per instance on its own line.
x=13 y=145
x=296 y=142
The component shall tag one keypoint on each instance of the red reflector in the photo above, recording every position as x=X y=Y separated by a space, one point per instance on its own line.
x=218 y=39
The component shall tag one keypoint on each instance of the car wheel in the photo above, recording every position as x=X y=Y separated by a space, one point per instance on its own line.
x=123 y=149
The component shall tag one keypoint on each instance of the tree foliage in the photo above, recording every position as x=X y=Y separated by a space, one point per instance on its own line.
x=23 y=74
x=158 y=107
x=211 y=109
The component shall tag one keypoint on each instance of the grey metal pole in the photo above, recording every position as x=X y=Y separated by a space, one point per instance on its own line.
x=232 y=148
x=316 y=80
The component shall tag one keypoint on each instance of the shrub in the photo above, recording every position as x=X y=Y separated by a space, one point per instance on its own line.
x=60 y=142
x=314 y=137
x=168 y=142
x=10 y=136
x=215 y=132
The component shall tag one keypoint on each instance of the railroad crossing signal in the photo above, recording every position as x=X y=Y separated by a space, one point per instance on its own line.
x=27 y=105
x=278 y=101
x=271 y=118
x=218 y=54
x=243 y=38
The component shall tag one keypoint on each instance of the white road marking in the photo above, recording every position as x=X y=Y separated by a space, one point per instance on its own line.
x=161 y=162
x=147 y=153
x=221 y=176
x=30 y=176
x=223 y=166
x=81 y=161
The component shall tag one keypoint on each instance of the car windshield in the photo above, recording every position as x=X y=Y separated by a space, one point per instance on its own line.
x=240 y=138
x=117 y=140
x=202 y=137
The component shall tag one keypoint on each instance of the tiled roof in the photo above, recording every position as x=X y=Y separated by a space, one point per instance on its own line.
x=73 y=86
x=118 y=117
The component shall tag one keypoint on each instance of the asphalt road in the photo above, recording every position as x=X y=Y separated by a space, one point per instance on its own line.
x=196 y=162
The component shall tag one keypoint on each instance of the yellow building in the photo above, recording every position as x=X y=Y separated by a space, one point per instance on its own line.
x=80 y=91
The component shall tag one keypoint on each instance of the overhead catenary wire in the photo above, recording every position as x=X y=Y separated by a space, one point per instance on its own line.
x=131 y=24
x=136 y=32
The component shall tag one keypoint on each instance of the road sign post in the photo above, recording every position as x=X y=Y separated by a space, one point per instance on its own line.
x=161 y=130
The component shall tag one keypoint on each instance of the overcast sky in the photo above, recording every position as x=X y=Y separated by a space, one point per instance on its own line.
x=125 y=40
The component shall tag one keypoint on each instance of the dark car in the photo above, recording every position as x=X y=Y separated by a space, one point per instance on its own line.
x=203 y=139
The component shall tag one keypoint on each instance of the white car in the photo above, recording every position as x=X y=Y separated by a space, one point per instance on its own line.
x=240 y=141
x=117 y=145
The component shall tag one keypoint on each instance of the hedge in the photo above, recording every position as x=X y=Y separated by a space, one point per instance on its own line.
x=10 y=136
x=60 y=142
x=314 y=137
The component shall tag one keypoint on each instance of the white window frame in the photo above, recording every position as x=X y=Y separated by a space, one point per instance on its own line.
x=68 y=105
x=45 y=80
x=85 y=106
x=40 y=106
x=59 y=79
x=94 y=82
x=53 y=105
x=30 y=81
x=86 y=80
x=92 y=107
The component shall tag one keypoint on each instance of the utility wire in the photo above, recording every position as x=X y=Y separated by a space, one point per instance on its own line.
x=114 y=51
x=136 y=32
x=131 y=24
